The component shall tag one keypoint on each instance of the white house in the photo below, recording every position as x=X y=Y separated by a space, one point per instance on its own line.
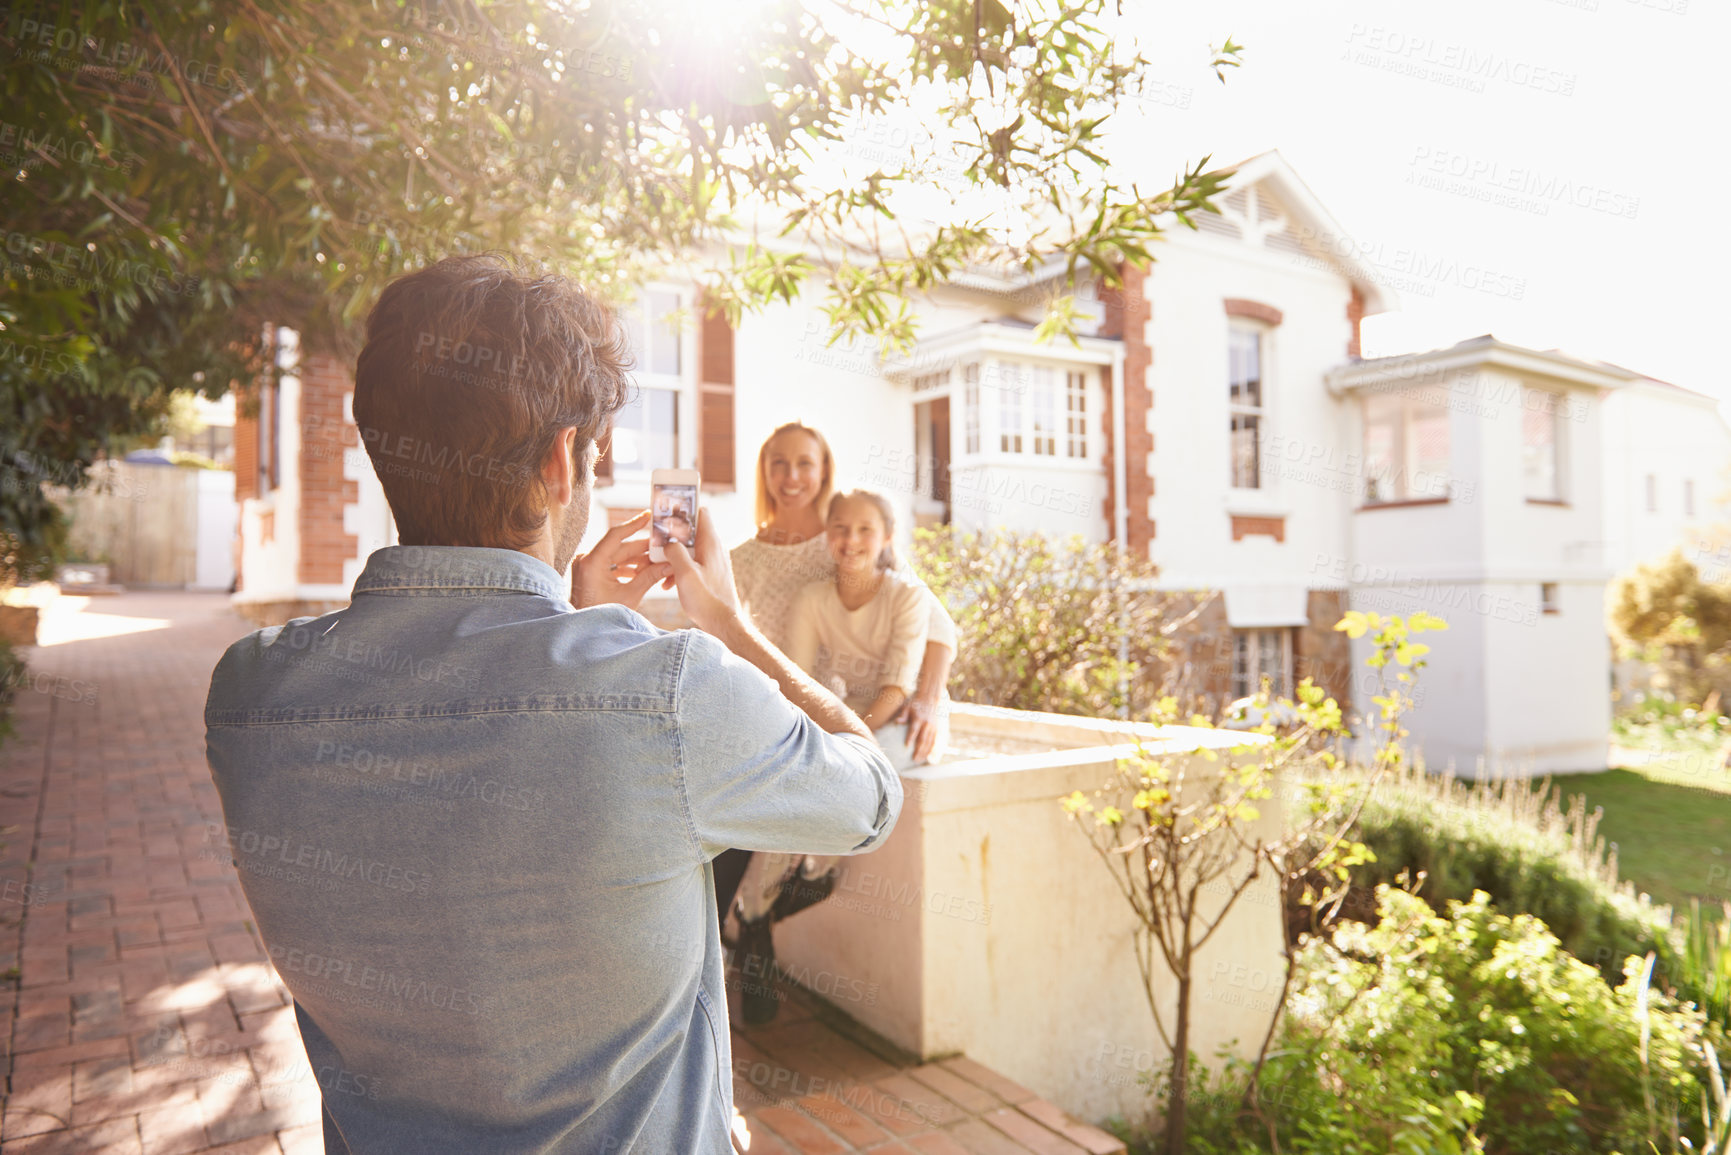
x=1669 y=450
x=1213 y=414
x=1485 y=479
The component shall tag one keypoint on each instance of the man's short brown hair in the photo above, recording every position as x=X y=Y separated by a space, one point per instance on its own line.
x=470 y=370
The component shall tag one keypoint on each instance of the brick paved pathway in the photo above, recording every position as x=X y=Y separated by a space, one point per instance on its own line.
x=142 y=1015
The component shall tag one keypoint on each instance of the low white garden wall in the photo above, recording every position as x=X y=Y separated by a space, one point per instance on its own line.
x=987 y=925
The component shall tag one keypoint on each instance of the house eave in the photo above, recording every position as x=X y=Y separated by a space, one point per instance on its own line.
x=984 y=338
x=1486 y=351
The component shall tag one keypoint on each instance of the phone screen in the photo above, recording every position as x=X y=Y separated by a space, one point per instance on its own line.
x=673 y=515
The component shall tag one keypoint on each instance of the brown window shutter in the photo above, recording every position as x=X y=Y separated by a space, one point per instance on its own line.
x=715 y=402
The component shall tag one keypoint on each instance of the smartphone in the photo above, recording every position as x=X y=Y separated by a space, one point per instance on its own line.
x=672 y=509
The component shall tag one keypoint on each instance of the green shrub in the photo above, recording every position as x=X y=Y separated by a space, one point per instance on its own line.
x=1059 y=625
x=11 y=674
x=1703 y=973
x=1663 y=724
x=1463 y=851
x=1515 y=841
x=1475 y=1031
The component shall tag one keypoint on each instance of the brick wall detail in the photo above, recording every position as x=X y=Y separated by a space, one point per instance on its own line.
x=325 y=435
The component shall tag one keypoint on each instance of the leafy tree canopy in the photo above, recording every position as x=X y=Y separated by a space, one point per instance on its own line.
x=1665 y=603
x=179 y=175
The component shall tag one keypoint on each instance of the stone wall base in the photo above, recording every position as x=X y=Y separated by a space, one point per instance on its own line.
x=18 y=625
x=1200 y=669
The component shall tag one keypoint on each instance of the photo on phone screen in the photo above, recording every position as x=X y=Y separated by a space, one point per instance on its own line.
x=673 y=515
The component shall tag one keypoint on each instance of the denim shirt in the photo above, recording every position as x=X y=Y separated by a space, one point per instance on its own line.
x=475 y=828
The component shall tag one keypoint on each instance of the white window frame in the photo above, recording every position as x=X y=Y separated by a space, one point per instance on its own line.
x=1404 y=471
x=1248 y=653
x=1011 y=418
x=1075 y=415
x=971 y=407
x=1037 y=411
x=1043 y=412
x=1557 y=404
x=1238 y=410
x=639 y=316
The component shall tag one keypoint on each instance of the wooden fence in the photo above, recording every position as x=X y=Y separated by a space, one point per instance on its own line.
x=142 y=520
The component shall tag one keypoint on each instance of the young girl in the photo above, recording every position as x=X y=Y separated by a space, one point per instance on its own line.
x=863 y=634
x=795 y=477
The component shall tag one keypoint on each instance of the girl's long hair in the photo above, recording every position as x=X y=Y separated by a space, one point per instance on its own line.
x=887 y=558
x=765 y=500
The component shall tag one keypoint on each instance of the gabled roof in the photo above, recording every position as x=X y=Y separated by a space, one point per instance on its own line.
x=1642 y=379
x=1289 y=188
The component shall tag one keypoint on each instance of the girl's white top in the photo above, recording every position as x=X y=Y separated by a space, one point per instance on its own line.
x=859 y=652
x=769 y=578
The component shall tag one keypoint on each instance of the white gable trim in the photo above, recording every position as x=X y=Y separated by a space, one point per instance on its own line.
x=1271 y=168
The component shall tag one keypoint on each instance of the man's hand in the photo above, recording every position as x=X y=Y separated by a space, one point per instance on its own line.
x=704 y=579
x=618 y=571
x=921 y=715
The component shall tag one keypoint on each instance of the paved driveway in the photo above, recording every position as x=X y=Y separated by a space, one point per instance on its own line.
x=144 y=1017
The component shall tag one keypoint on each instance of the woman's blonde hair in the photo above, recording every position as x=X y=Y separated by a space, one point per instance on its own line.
x=887 y=558
x=765 y=500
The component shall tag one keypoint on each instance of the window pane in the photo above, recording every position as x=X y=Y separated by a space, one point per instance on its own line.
x=1076 y=414
x=1382 y=448
x=971 y=406
x=1245 y=355
x=1258 y=654
x=627 y=448
x=1012 y=383
x=662 y=429
x=1045 y=412
x=664 y=334
x=971 y=401
x=1539 y=444
x=1246 y=463
x=632 y=316
x=1428 y=455
x=645 y=433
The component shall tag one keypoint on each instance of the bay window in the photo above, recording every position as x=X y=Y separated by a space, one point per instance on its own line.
x=1022 y=408
x=1406 y=448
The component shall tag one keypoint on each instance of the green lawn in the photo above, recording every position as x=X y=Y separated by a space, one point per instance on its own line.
x=1671 y=822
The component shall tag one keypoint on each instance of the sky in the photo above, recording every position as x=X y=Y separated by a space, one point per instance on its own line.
x=1575 y=150
x=1542 y=170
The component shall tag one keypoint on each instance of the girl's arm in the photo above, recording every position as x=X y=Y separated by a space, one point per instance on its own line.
x=888 y=701
x=903 y=654
x=920 y=712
